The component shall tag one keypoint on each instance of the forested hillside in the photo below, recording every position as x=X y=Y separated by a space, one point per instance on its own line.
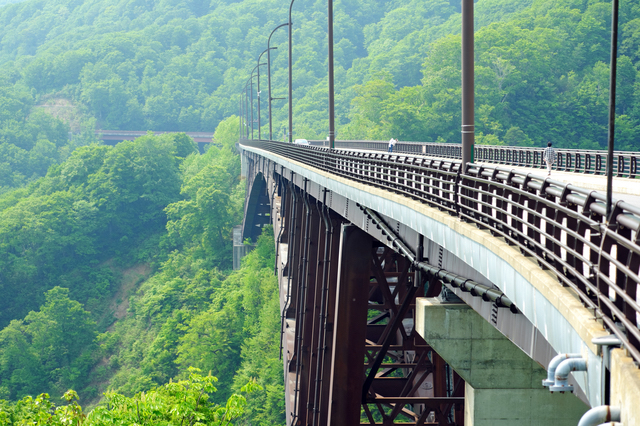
x=542 y=66
x=115 y=271
x=542 y=74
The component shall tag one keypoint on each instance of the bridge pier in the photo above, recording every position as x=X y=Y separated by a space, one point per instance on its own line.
x=351 y=309
x=503 y=385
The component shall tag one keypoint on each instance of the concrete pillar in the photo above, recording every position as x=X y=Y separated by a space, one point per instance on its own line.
x=625 y=387
x=240 y=249
x=503 y=385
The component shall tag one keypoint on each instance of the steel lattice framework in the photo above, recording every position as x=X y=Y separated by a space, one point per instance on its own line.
x=561 y=226
x=381 y=371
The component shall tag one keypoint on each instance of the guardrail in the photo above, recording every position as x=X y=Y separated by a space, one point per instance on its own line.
x=625 y=163
x=560 y=225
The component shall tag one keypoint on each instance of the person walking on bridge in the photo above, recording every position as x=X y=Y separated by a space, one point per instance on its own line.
x=549 y=156
x=392 y=143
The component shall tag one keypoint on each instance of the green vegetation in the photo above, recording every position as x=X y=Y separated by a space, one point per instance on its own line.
x=541 y=72
x=119 y=281
x=183 y=402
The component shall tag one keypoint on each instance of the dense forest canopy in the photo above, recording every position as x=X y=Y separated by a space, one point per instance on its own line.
x=181 y=65
x=116 y=275
x=115 y=261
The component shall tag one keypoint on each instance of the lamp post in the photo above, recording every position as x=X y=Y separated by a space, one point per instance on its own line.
x=251 y=96
x=468 y=128
x=251 y=100
x=612 y=104
x=290 y=89
x=242 y=112
x=246 y=109
x=269 y=72
x=332 y=132
x=259 y=124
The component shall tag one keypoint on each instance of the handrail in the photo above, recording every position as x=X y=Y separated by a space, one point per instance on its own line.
x=625 y=163
x=560 y=225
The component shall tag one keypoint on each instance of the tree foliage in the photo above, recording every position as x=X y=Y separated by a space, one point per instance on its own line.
x=183 y=402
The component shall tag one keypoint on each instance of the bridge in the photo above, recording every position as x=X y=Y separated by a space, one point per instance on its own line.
x=414 y=291
x=115 y=136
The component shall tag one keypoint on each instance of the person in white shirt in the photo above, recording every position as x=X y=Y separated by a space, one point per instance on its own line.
x=549 y=156
x=392 y=143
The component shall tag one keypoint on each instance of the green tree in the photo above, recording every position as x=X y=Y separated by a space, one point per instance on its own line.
x=50 y=351
x=182 y=402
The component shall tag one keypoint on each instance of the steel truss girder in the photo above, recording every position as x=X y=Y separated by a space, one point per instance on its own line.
x=396 y=390
x=411 y=384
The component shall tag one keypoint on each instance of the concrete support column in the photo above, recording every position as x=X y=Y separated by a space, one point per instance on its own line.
x=625 y=387
x=503 y=385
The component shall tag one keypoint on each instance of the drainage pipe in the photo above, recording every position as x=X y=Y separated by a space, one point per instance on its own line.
x=553 y=365
x=599 y=415
x=281 y=229
x=562 y=374
x=292 y=233
x=303 y=282
x=487 y=293
x=328 y=233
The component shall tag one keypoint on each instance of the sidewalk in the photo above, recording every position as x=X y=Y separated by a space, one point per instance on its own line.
x=623 y=188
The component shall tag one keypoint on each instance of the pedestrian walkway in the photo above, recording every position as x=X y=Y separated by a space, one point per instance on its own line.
x=623 y=188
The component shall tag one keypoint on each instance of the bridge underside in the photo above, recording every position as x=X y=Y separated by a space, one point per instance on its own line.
x=338 y=284
x=344 y=283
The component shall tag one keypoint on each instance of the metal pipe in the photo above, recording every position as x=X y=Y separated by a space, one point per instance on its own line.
x=328 y=233
x=487 y=293
x=468 y=129
x=605 y=344
x=612 y=103
x=562 y=374
x=598 y=415
x=553 y=364
x=302 y=294
x=290 y=80
x=269 y=72
x=279 y=233
x=292 y=233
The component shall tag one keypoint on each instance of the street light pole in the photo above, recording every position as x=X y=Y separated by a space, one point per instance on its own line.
x=290 y=70
x=251 y=101
x=332 y=133
x=246 y=109
x=251 y=95
x=259 y=124
x=269 y=72
x=468 y=128
x=612 y=104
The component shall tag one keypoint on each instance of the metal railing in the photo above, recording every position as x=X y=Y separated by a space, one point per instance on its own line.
x=561 y=226
x=625 y=163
